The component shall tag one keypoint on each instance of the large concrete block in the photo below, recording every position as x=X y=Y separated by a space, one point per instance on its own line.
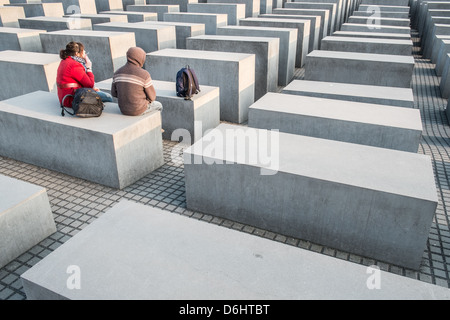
x=100 y=18
x=303 y=32
x=41 y=9
x=232 y=72
x=211 y=21
x=9 y=16
x=325 y=25
x=181 y=253
x=50 y=24
x=330 y=7
x=380 y=21
x=386 y=2
x=429 y=47
x=252 y=7
x=444 y=84
x=314 y=35
x=18 y=39
x=354 y=122
x=79 y=6
x=135 y=16
x=107 y=49
x=234 y=11
x=368 y=45
x=444 y=49
x=383 y=8
x=150 y=37
x=391 y=96
x=385 y=35
x=183 y=120
x=339 y=9
x=159 y=9
x=183 y=30
x=182 y=4
x=382 y=14
x=371 y=28
x=25 y=217
x=113 y=150
x=108 y=5
x=288 y=46
x=351 y=197
x=126 y=3
x=23 y=72
x=360 y=68
x=266 y=51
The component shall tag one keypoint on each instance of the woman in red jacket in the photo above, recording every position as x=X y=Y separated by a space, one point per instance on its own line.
x=75 y=71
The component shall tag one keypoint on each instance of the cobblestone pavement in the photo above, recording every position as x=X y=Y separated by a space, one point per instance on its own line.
x=76 y=203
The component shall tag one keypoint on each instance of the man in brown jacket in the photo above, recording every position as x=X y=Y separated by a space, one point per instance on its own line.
x=133 y=86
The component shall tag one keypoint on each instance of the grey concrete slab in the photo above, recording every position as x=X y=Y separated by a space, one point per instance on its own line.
x=252 y=7
x=160 y=9
x=41 y=9
x=326 y=200
x=380 y=21
x=381 y=35
x=325 y=27
x=398 y=97
x=435 y=50
x=32 y=71
x=444 y=83
x=368 y=124
x=372 y=28
x=288 y=46
x=266 y=51
x=79 y=6
x=18 y=39
x=382 y=14
x=336 y=10
x=232 y=72
x=107 y=243
x=108 y=5
x=444 y=49
x=183 y=30
x=212 y=21
x=100 y=18
x=26 y=217
x=387 y=8
x=429 y=48
x=50 y=24
x=359 y=68
x=234 y=11
x=183 y=120
x=113 y=150
x=266 y=6
x=368 y=45
x=182 y=4
x=150 y=37
x=10 y=15
x=107 y=49
x=303 y=32
x=315 y=23
x=135 y=16
x=331 y=7
x=386 y=2
x=126 y=3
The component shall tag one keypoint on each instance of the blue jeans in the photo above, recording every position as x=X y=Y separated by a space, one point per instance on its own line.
x=106 y=97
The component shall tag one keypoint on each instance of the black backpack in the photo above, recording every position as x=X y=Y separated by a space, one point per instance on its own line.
x=187 y=83
x=86 y=103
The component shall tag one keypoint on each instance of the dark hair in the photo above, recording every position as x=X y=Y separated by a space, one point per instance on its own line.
x=71 y=49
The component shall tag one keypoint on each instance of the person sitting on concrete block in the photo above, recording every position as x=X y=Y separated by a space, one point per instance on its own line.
x=74 y=72
x=133 y=86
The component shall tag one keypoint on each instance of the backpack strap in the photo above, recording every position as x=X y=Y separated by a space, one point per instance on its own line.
x=190 y=82
x=194 y=77
x=64 y=108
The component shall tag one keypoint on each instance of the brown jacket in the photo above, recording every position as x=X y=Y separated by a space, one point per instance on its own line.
x=132 y=85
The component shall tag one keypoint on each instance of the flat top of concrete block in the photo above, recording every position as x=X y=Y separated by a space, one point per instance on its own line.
x=368 y=40
x=174 y=6
x=273 y=29
x=280 y=20
x=362 y=56
x=197 y=14
x=363 y=25
x=372 y=168
x=373 y=34
x=132 y=13
x=174 y=23
x=20 y=30
x=14 y=191
x=154 y=254
x=235 y=38
x=45 y=106
x=201 y=54
x=374 y=114
x=141 y=25
x=57 y=19
x=35 y=58
x=380 y=18
x=86 y=33
x=361 y=90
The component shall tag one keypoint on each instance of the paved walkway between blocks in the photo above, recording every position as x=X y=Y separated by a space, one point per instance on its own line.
x=76 y=203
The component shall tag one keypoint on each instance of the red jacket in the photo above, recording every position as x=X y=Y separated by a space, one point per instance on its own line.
x=71 y=71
